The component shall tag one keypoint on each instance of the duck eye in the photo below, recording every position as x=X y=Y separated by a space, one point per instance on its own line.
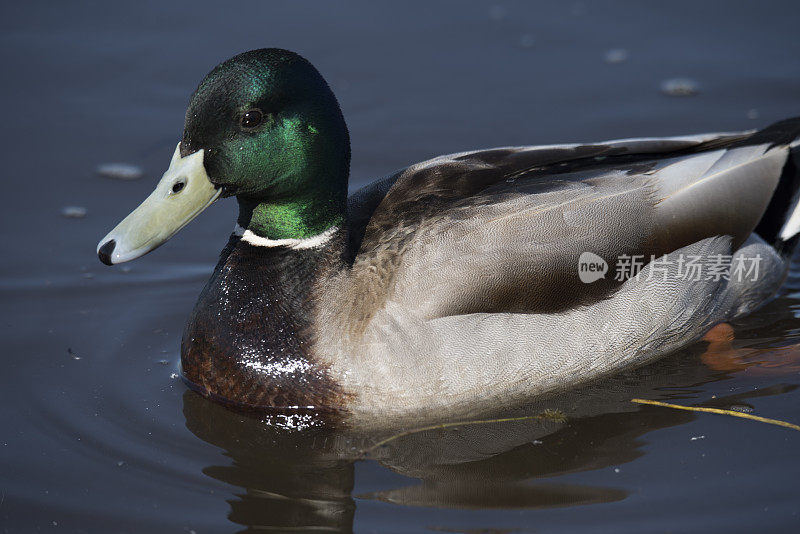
x=252 y=118
x=178 y=187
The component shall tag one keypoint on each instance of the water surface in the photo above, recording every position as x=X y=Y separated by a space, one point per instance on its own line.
x=98 y=433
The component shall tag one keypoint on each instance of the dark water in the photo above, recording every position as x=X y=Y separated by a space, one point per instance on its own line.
x=98 y=435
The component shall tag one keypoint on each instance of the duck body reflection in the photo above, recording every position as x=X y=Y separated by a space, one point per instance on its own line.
x=294 y=469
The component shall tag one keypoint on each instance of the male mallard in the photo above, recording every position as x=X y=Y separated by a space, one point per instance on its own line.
x=467 y=280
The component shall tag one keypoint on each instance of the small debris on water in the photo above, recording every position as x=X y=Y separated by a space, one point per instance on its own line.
x=88 y=275
x=616 y=469
x=679 y=87
x=163 y=362
x=615 y=55
x=73 y=212
x=120 y=463
x=695 y=438
x=120 y=171
x=173 y=376
x=537 y=442
x=74 y=356
x=526 y=41
x=741 y=408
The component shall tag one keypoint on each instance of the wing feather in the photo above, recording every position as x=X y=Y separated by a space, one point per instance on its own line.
x=501 y=230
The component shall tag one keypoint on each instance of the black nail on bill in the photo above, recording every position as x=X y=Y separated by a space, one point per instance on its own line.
x=104 y=253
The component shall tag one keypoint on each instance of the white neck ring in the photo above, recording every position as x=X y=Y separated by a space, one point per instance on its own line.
x=249 y=237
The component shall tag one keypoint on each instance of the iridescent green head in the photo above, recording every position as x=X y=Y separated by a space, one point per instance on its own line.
x=265 y=127
x=272 y=133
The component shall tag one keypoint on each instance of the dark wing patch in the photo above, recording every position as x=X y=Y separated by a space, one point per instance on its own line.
x=778 y=134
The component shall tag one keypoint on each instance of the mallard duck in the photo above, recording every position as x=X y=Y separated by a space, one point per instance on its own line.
x=477 y=279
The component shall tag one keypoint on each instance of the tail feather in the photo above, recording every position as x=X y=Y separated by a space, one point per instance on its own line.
x=791 y=175
x=780 y=224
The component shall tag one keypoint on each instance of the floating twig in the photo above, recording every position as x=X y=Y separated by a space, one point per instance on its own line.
x=551 y=415
x=719 y=411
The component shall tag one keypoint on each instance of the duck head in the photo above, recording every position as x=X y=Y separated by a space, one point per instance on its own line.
x=264 y=127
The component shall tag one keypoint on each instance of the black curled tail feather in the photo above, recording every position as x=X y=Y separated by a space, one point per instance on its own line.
x=773 y=226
